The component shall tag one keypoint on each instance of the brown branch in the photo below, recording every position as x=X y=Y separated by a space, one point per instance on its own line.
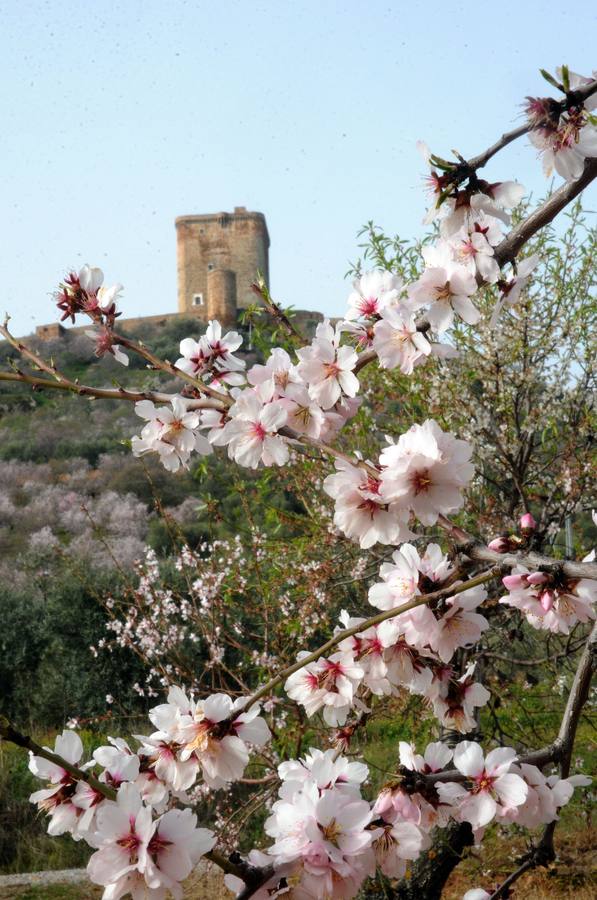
x=9 y=733
x=509 y=248
x=86 y=390
x=469 y=546
x=368 y=623
x=275 y=310
x=466 y=168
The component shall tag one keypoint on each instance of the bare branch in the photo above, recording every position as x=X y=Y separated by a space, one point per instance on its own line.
x=86 y=390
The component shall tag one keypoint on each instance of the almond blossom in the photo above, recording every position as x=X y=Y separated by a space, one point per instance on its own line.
x=455 y=699
x=122 y=833
x=372 y=293
x=474 y=250
x=512 y=288
x=174 y=849
x=278 y=372
x=323 y=842
x=396 y=842
x=448 y=291
x=213 y=354
x=211 y=734
x=493 y=788
x=459 y=626
x=545 y=797
x=397 y=341
x=170 y=433
x=327 y=368
x=425 y=471
x=304 y=416
x=58 y=798
x=323 y=768
x=327 y=684
x=251 y=434
x=360 y=510
x=409 y=575
x=550 y=602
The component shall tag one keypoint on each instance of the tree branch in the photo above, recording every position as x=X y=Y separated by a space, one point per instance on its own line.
x=86 y=390
x=449 y=591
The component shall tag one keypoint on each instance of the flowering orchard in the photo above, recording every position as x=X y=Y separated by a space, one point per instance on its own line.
x=430 y=604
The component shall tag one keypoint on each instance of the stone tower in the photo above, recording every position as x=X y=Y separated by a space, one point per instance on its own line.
x=219 y=256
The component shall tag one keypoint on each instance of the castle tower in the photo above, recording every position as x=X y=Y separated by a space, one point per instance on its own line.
x=233 y=245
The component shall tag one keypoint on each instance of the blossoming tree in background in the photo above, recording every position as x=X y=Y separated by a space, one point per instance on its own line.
x=431 y=602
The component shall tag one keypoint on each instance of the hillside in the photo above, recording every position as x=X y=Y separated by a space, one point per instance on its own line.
x=68 y=481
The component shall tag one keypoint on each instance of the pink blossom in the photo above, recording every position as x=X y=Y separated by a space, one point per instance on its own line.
x=58 y=799
x=372 y=293
x=327 y=369
x=360 y=510
x=550 y=602
x=397 y=341
x=327 y=684
x=493 y=788
x=170 y=432
x=213 y=354
x=425 y=471
x=323 y=768
x=408 y=575
x=446 y=287
x=122 y=833
x=459 y=626
x=252 y=432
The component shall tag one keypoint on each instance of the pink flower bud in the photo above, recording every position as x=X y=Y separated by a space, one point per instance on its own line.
x=499 y=545
x=537 y=578
x=527 y=522
x=547 y=600
x=513 y=582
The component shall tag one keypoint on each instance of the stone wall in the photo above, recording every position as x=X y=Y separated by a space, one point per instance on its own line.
x=237 y=241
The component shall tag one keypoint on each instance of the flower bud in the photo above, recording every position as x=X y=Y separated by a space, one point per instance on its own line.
x=537 y=578
x=527 y=523
x=513 y=582
x=547 y=600
x=499 y=545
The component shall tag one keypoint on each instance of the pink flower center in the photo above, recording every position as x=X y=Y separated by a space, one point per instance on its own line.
x=259 y=431
x=483 y=782
x=420 y=481
x=368 y=306
x=130 y=842
x=444 y=292
x=157 y=844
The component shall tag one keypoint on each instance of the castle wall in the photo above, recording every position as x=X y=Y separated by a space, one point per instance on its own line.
x=237 y=241
x=221 y=296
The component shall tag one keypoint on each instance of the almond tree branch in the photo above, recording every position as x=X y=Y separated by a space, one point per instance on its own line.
x=9 y=733
x=469 y=546
x=467 y=168
x=508 y=249
x=449 y=591
x=165 y=366
x=86 y=390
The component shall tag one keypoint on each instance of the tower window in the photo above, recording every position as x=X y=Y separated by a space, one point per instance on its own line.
x=197 y=299
x=210 y=267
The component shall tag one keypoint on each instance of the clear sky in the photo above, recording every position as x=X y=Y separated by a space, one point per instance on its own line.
x=118 y=117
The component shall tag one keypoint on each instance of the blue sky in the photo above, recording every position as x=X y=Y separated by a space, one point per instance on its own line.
x=119 y=117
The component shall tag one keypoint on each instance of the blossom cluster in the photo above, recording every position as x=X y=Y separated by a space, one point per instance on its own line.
x=410 y=651
x=550 y=601
x=328 y=839
x=564 y=135
x=144 y=845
